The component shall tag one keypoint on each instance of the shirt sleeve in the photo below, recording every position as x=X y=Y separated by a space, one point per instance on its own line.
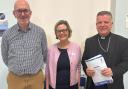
x=4 y=50
x=44 y=46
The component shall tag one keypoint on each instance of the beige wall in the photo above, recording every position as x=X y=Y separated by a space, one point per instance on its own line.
x=79 y=13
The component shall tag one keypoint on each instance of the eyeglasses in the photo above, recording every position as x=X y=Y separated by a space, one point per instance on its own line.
x=25 y=11
x=62 y=30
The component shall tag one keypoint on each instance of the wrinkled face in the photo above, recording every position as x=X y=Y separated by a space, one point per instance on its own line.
x=62 y=33
x=104 y=24
x=22 y=12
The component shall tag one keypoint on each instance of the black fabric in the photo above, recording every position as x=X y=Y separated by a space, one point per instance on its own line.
x=69 y=87
x=98 y=87
x=63 y=70
x=116 y=58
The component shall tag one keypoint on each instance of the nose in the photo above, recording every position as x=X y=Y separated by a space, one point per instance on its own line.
x=102 y=24
x=61 y=32
x=22 y=13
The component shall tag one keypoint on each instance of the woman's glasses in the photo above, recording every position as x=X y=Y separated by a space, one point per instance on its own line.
x=62 y=30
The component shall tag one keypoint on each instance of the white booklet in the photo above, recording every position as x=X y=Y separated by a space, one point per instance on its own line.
x=98 y=63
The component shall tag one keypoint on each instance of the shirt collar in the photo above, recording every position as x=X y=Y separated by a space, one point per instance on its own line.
x=29 y=27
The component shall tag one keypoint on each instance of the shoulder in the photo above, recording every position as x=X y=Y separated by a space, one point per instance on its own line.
x=119 y=37
x=11 y=29
x=91 y=39
x=120 y=41
x=74 y=46
x=36 y=28
x=10 y=32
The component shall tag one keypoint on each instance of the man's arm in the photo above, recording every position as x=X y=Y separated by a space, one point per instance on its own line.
x=4 y=49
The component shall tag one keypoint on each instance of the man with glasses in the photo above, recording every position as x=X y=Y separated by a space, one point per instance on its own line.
x=24 y=50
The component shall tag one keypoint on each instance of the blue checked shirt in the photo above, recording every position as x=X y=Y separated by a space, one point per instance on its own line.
x=24 y=52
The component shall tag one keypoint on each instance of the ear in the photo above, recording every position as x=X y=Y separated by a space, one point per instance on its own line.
x=14 y=13
x=30 y=12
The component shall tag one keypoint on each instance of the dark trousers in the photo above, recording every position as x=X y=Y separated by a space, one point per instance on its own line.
x=65 y=87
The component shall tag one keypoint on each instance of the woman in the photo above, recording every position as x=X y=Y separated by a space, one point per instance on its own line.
x=63 y=65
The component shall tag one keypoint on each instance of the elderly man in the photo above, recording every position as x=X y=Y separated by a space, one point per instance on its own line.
x=24 y=50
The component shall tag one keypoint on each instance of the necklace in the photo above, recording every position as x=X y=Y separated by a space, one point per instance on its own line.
x=107 y=45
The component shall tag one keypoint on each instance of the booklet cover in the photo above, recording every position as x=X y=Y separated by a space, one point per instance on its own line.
x=98 y=63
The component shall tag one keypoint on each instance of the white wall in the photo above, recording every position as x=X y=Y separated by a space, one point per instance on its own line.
x=79 y=13
x=120 y=11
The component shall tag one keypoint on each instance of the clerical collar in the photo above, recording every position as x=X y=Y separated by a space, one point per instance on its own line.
x=104 y=42
x=104 y=37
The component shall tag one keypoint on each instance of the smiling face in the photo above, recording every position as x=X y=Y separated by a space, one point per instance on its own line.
x=104 y=24
x=22 y=12
x=62 y=32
